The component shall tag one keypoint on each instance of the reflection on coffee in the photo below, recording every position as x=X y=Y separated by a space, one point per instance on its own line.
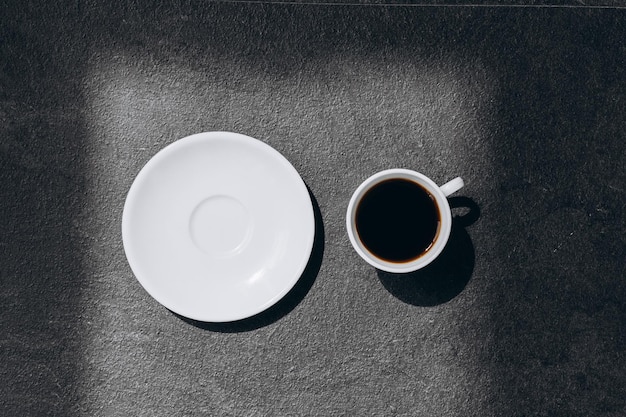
x=397 y=220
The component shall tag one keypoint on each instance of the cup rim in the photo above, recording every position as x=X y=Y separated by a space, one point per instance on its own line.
x=444 y=228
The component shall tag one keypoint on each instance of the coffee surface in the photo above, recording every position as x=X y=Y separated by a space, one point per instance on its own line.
x=397 y=220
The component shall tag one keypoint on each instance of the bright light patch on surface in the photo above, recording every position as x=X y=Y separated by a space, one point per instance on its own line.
x=337 y=120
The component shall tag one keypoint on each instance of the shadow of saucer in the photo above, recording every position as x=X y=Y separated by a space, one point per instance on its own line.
x=448 y=275
x=289 y=301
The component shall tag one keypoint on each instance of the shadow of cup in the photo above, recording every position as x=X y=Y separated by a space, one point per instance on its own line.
x=448 y=275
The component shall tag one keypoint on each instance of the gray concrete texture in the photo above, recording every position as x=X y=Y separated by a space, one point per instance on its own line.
x=523 y=315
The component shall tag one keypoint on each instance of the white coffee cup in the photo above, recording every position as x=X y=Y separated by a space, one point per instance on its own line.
x=438 y=195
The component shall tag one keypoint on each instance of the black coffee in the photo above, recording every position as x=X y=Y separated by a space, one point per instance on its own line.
x=397 y=220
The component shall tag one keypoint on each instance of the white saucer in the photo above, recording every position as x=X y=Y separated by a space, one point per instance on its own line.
x=218 y=226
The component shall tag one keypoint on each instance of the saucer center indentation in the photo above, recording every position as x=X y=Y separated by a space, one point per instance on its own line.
x=219 y=225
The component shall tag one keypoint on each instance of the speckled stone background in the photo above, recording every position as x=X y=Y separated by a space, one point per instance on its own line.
x=524 y=314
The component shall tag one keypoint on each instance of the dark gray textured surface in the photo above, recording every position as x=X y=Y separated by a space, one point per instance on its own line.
x=524 y=315
x=583 y=4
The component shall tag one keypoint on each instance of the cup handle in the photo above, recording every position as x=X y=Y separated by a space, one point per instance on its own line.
x=452 y=186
